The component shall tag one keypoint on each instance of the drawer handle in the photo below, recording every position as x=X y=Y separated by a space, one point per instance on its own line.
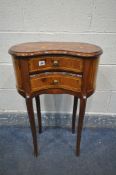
x=55 y=63
x=55 y=82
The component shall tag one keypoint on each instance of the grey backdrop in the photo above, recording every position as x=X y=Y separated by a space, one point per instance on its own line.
x=91 y=21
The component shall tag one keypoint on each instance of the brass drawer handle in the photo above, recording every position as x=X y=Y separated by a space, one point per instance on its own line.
x=55 y=63
x=55 y=82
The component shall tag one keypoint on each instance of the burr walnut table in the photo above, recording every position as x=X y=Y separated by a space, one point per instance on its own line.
x=55 y=68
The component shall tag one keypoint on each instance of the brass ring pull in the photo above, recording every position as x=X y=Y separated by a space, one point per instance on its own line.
x=55 y=82
x=55 y=63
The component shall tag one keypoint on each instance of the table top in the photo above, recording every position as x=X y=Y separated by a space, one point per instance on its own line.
x=68 y=48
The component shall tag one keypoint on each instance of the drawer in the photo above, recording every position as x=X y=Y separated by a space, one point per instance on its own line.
x=61 y=81
x=66 y=63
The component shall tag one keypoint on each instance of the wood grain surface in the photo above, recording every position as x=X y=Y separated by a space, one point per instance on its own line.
x=71 y=48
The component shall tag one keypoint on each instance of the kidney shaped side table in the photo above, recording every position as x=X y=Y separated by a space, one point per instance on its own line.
x=55 y=68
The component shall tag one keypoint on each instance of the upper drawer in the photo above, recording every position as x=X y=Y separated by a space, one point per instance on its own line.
x=66 y=63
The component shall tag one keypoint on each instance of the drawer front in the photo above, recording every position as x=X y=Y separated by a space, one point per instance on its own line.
x=67 y=63
x=66 y=82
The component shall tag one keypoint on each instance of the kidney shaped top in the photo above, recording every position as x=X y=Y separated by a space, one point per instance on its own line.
x=68 y=48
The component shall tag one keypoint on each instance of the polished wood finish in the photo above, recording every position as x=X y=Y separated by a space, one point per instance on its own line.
x=56 y=68
x=45 y=48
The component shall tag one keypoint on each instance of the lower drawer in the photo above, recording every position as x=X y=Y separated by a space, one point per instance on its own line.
x=55 y=81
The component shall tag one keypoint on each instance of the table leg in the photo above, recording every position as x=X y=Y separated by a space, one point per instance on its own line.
x=30 y=111
x=37 y=99
x=80 y=124
x=74 y=113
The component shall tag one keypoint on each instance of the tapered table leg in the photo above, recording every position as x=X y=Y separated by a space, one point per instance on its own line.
x=30 y=111
x=74 y=113
x=37 y=99
x=80 y=124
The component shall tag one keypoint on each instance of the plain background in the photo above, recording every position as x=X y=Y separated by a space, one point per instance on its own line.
x=92 y=21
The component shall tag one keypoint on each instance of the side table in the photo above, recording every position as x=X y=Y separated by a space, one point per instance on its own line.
x=55 y=68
